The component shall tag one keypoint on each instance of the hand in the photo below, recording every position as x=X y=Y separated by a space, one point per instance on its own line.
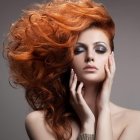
x=80 y=106
x=103 y=98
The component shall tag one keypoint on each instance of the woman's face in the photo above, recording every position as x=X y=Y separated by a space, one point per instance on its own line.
x=91 y=53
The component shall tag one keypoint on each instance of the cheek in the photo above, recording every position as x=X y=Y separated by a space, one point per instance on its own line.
x=76 y=65
x=104 y=61
x=77 y=62
x=102 y=64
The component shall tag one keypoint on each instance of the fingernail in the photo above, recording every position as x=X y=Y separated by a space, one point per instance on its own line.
x=71 y=70
x=112 y=53
x=82 y=83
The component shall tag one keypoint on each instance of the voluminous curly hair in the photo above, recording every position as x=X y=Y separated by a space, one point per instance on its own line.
x=40 y=51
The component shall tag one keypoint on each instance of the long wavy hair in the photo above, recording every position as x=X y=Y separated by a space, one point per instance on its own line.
x=40 y=51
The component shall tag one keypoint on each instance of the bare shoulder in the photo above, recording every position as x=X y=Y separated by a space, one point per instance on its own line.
x=128 y=116
x=37 y=128
x=132 y=124
x=133 y=116
x=34 y=115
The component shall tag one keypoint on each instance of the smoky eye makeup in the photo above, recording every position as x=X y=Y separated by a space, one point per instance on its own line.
x=100 y=48
x=79 y=48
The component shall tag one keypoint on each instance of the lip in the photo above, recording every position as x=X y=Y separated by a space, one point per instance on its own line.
x=90 y=68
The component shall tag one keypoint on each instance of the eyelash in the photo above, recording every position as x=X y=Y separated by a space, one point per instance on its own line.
x=99 y=49
x=78 y=51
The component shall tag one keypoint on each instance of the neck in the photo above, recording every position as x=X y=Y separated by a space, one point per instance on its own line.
x=90 y=93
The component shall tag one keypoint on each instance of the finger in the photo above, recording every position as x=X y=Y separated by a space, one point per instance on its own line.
x=107 y=70
x=113 y=61
x=112 y=64
x=110 y=61
x=71 y=77
x=79 y=95
x=80 y=99
x=74 y=83
x=73 y=88
x=79 y=90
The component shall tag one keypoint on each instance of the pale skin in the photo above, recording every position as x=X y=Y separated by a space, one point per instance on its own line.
x=93 y=106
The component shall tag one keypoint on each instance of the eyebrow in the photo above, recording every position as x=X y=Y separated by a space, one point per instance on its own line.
x=100 y=42
x=95 y=43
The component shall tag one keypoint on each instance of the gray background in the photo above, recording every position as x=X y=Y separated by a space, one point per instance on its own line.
x=125 y=92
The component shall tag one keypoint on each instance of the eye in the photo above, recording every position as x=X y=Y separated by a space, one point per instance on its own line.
x=78 y=50
x=100 y=49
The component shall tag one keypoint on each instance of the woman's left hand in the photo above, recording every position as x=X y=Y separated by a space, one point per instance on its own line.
x=103 y=98
x=80 y=106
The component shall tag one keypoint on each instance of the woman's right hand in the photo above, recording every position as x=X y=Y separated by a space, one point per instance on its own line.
x=79 y=104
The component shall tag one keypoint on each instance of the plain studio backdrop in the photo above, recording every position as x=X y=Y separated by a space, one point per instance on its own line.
x=126 y=87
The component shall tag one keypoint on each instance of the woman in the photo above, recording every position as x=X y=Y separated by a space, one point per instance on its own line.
x=62 y=54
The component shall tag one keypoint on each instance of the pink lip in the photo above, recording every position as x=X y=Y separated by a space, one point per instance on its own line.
x=90 y=67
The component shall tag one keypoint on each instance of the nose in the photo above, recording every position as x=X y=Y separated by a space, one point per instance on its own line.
x=90 y=56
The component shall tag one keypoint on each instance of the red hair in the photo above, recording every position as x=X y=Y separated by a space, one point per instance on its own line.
x=39 y=52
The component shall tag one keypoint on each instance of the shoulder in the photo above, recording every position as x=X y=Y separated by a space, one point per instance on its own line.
x=34 y=116
x=125 y=114
x=36 y=127
x=133 y=116
x=129 y=116
x=132 y=126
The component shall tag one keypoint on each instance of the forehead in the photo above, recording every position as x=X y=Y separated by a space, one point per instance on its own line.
x=93 y=35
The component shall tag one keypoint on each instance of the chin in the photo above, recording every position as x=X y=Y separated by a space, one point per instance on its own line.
x=92 y=79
